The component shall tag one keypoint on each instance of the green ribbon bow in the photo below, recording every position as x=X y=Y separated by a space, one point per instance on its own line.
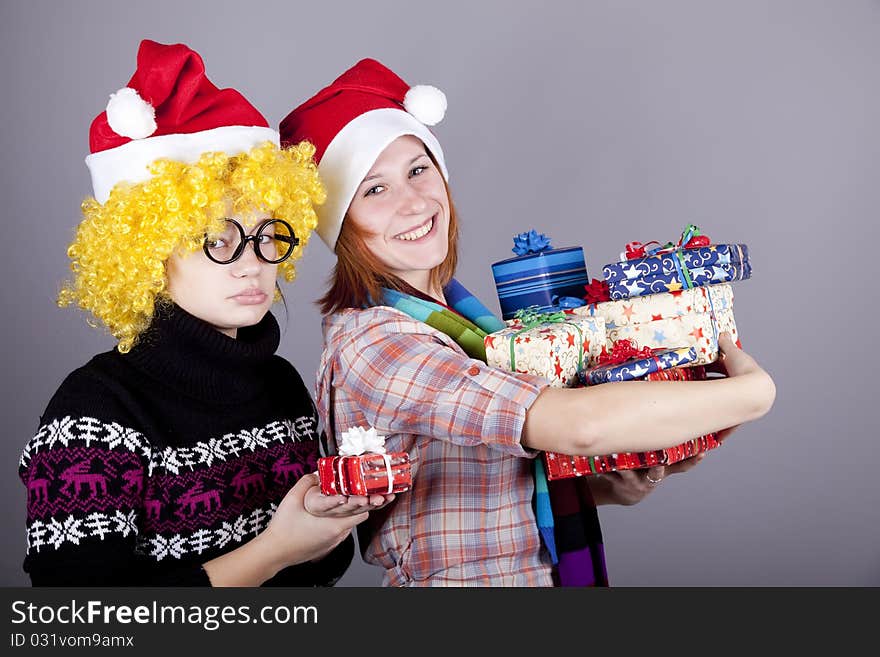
x=684 y=274
x=531 y=318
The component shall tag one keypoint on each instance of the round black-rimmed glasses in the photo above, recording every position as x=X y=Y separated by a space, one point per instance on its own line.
x=274 y=242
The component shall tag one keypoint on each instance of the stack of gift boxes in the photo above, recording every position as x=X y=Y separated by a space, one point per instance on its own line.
x=655 y=315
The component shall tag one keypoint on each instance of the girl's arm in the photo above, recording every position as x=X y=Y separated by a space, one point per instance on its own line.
x=634 y=416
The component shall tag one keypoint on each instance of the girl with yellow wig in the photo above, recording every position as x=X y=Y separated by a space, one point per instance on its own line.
x=184 y=456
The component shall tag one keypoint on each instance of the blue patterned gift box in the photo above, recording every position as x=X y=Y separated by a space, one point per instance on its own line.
x=639 y=367
x=677 y=270
x=702 y=257
x=538 y=275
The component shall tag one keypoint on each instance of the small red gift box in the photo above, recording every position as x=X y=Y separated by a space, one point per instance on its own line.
x=562 y=466
x=365 y=474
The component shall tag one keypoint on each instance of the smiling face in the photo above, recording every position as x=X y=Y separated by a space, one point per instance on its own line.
x=228 y=297
x=403 y=205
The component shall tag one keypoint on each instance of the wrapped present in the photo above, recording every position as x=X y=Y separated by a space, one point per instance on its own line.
x=693 y=262
x=538 y=274
x=365 y=474
x=637 y=368
x=691 y=318
x=561 y=466
x=363 y=467
x=552 y=345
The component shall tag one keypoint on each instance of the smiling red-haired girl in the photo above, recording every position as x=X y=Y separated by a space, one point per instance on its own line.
x=403 y=352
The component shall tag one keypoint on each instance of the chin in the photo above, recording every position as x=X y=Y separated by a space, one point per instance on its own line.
x=249 y=317
x=429 y=258
x=434 y=261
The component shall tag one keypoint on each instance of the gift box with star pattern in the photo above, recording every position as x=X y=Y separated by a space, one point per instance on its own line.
x=677 y=269
x=552 y=345
x=562 y=466
x=691 y=318
x=638 y=368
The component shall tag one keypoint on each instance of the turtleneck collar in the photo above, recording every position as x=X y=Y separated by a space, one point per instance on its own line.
x=193 y=358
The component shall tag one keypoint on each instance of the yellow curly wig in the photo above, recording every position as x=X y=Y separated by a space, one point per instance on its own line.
x=119 y=253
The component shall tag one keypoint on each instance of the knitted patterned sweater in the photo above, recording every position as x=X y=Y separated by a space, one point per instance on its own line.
x=148 y=464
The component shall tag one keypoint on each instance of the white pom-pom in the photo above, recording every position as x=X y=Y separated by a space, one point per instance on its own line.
x=425 y=103
x=130 y=115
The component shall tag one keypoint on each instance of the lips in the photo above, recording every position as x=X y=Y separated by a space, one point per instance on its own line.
x=250 y=296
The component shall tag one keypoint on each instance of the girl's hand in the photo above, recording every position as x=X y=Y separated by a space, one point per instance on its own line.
x=625 y=487
x=341 y=506
x=628 y=487
x=295 y=535
x=734 y=362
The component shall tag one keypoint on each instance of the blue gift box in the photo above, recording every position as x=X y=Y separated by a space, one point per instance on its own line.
x=638 y=367
x=671 y=282
x=678 y=269
x=538 y=276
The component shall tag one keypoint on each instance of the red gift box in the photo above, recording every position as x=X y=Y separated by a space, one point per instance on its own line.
x=365 y=474
x=562 y=466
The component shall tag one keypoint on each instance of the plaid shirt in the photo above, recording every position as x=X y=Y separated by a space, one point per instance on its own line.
x=468 y=518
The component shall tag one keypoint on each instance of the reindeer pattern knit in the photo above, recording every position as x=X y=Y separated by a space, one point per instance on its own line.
x=148 y=464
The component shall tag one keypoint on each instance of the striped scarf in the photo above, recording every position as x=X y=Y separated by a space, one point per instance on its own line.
x=564 y=508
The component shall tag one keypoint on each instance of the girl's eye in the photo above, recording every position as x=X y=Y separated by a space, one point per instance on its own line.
x=376 y=189
x=417 y=171
x=217 y=243
x=266 y=238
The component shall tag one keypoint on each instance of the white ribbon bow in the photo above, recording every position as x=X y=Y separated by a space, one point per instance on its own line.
x=358 y=440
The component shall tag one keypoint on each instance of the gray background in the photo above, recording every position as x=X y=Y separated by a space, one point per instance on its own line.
x=597 y=123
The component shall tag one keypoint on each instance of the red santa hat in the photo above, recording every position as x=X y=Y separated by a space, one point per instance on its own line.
x=351 y=121
x=170 y=110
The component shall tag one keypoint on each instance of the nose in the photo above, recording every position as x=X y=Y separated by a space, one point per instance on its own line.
x=412 y=201
x=248 y=264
